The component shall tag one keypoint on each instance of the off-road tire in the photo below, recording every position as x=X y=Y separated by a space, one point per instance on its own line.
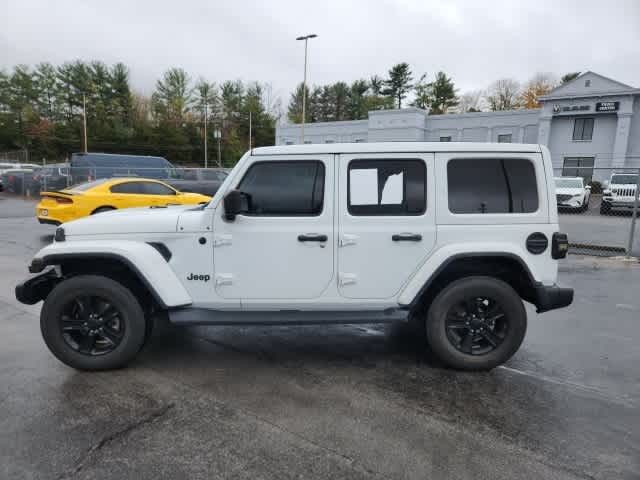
x=605 y=208
x=132 y=316
x=476 y=286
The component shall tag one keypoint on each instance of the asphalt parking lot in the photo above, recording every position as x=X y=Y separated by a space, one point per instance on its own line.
x=364 y=401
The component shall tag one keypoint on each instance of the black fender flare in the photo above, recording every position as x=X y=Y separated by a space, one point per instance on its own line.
x=39 y=264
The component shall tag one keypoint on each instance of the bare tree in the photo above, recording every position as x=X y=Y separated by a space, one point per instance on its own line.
x=470 y=101
x=540 y=84
x=503 y=94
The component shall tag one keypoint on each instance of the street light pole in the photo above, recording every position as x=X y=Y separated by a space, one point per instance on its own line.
x=304 y=84
x=205 y=133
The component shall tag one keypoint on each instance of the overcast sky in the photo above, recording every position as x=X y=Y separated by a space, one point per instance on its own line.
x=475 y=42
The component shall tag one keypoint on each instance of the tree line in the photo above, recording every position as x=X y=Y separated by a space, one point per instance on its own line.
x=41 y=109
x=342 y=101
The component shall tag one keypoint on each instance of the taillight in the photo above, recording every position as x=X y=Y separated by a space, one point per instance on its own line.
x=559 y=245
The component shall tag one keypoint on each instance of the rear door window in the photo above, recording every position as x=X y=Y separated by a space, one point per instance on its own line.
x=152 y=188
x=129 y=188
x=386 y=187
x=492 y=185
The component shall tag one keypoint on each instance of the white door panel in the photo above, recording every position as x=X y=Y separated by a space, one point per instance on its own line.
x=276 y=257
x=379 y=249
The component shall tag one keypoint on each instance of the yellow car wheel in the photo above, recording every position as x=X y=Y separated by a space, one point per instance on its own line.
x=102 y=209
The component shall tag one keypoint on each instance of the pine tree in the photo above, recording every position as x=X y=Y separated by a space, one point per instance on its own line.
x=399 y=83
x=443 y=94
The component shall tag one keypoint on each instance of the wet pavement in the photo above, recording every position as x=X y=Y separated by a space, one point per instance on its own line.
x=364 y=401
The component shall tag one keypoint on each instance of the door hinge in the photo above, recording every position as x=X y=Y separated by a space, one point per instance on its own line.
x=348 y=239
x=219 y=240
x=224 y=279
x=348 y=279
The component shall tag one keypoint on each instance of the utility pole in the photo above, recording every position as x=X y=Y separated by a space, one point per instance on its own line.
x=217 y=134
x=205 y=132
x=249 y=130
x=304 y=84
x=84 y=121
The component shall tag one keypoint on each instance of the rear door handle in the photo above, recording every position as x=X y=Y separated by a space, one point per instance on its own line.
x=406 y=237
x=312 y=237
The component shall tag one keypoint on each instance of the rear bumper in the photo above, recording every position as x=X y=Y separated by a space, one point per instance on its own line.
x=551 y=297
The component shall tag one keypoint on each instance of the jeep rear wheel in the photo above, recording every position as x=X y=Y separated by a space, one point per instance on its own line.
x=476 y=323
x=91 y=322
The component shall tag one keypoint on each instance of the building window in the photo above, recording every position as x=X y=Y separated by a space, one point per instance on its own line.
x=583 y=128
x=329 y=141
x=287 y=188
x=504 y=138
x=387 y=187
x=587 y=83
x=288 y=142
x=308 y=142
x=445 y=139
x=359 y=140
x=578 y=167
x=481 y=185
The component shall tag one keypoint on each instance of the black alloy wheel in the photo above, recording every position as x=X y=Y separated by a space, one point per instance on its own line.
x=92 y=325
x=476 y=325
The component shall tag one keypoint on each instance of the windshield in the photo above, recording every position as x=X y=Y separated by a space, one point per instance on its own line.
x=83 y=187
x=622 y=179
x=568 y=183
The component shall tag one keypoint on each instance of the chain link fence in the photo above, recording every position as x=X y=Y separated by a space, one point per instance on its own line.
x=30 y=181
x=598 y=209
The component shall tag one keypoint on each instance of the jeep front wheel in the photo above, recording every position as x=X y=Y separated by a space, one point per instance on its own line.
x=91 y=322
x=476 y=323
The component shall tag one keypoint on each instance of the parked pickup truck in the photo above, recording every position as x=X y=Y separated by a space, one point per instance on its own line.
x=206 y=181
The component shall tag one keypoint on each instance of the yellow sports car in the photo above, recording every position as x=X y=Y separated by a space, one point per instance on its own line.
x=109 y=194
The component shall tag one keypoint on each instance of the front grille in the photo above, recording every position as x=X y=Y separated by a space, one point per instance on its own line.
x=563 y=197
x=625 y=192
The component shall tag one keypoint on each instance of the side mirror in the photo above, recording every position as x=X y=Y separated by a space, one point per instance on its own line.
x=235 y=202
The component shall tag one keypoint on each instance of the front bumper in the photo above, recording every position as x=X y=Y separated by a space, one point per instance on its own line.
x=36 y=288
x=550 y=297
x=49 y=221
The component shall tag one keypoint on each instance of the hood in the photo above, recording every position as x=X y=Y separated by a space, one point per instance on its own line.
x=130 y=220
x=569 y=191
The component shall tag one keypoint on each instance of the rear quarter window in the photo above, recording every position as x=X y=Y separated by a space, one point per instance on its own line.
x=492 y=185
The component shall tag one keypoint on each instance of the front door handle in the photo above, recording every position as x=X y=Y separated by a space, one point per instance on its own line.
x=406 y=237
x=312 y=237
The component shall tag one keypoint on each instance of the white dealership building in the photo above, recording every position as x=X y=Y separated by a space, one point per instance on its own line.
x=591 y=121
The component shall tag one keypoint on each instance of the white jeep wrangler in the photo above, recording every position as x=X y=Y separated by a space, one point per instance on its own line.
x=619 y=192
x=452 y=235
